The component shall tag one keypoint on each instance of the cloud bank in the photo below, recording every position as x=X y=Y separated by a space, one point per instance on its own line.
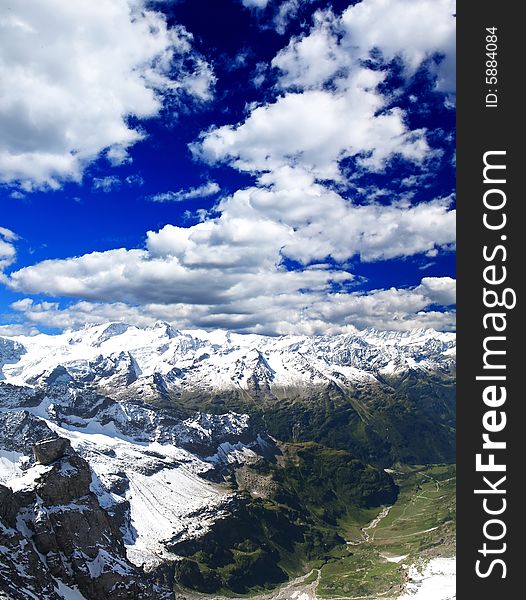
x=401 y=309
x=282 y=254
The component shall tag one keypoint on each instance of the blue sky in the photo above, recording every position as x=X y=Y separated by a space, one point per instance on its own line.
x=273 y=166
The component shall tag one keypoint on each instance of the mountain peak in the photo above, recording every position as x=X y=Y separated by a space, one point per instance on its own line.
x=197 y=359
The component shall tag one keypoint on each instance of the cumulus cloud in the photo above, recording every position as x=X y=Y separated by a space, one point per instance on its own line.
x=203 y=191
x=74 y=73
x=441 y=290
x=318 y=222
x=316 y=129
x=331 y=107
x=7 y=248
x=310 y=60
x=235 y=263
x=412 y=31
x=287 y=216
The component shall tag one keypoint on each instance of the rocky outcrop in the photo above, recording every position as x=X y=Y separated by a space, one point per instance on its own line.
x=23 y=573
x=53 y=529
x=10 y=352
x=21 y=430
x=50 y=450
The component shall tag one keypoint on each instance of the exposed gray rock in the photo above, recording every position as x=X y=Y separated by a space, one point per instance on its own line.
x=50 y=450
x=12 y=396
x=10 y=352
x=21 y=431
x=57 y=529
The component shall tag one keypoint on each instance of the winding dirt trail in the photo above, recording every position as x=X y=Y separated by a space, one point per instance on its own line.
x=366 y=537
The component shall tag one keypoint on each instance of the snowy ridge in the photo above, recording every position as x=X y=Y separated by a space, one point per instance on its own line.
x=160 y=491
x=160 y=359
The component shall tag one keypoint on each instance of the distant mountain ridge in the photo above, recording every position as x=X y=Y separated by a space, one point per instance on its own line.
x=158 y=359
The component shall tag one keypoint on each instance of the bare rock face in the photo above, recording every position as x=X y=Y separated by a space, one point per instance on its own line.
x=50 y=450
x=22 y=572
x=56 y=530
x=20 y=429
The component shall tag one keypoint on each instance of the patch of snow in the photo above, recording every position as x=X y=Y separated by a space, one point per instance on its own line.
x=9 y=465
x=167 y=494
x=232 y=453
x=394 y=559
x=434 y=581
x=300 y=596
x=104 y=562
x=29 y=594
x=66 y=592
x=29 y=479
x=171 y=503
x=60 y=508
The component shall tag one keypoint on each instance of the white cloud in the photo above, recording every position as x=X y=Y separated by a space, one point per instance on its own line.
x=331 y=106
x=134 y=180
x=260 y=4
x=412 y=30
x=321 y=223
x=287 y=215
x=207 y=189
x=309 y=61
x=7 y=248
x=260 y=74
x=441 y=290
x=74 y=73
x=267 y=313
x=106 y=184
x=16 y=329
x=111 y=182
x=287 y=11
x=233 y=264
x=8 y=235
x=316 y=129
x=284 y=11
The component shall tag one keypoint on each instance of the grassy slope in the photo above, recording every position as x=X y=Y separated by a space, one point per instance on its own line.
x=426 y=502
x=270 y=538
x=409 y=418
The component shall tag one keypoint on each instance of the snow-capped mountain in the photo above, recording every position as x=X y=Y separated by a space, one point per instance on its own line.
x=162 y=360
x=159 y=465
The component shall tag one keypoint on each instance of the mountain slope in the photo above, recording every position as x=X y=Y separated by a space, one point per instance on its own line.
x=212 y=452
x=54 y=533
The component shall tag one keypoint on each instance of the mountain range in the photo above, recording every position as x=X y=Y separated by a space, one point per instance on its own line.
x=135 y=461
